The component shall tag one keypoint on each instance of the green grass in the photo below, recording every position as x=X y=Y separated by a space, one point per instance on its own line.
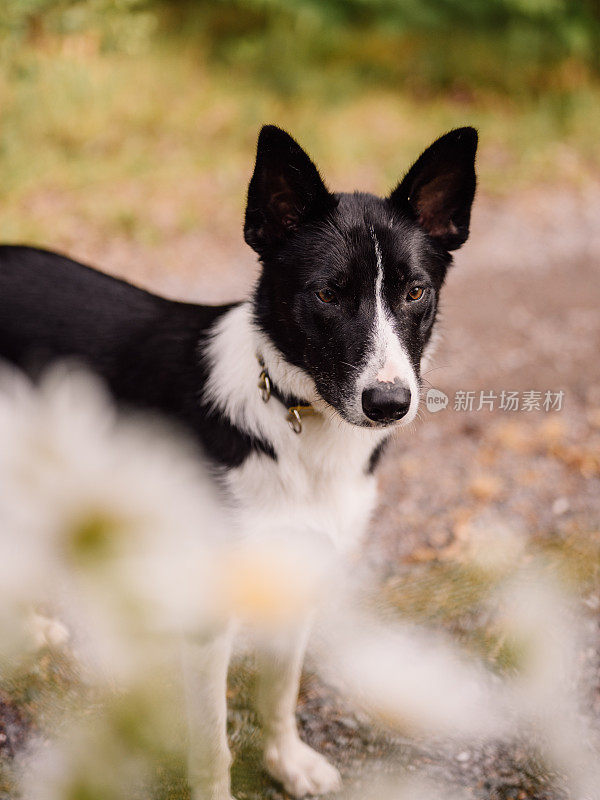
x=158 y=144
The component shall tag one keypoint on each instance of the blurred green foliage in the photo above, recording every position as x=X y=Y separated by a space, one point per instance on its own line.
x=510 y=46
x=163 y=99
x=124 y=25
x=423 y=45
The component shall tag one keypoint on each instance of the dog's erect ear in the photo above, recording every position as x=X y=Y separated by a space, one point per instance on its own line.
x=286 y=190
x=439 y=188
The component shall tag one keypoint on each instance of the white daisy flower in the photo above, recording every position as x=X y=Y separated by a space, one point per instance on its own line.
x=114 y=514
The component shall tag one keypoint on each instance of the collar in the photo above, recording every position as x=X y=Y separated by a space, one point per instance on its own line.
x=295 y=407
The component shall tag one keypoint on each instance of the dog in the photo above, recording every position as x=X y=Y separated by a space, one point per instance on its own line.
x=291 y=394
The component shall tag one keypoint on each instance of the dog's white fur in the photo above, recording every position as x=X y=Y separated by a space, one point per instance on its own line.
x=388 y=360
x=319 y=482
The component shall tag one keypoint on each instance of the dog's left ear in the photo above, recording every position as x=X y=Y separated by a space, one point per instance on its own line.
x=285 y=191
x=439 y=188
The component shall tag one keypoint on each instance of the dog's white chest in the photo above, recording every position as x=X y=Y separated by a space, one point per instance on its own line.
x=319 y=482
x=319 y=479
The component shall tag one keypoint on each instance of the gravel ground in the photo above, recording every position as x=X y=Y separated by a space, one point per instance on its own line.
x=521 y=312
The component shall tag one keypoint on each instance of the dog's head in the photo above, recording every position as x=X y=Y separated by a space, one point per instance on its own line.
x=350 y=283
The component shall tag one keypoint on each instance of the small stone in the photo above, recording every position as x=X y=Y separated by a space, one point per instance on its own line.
x=463 y=757
x=560 y=506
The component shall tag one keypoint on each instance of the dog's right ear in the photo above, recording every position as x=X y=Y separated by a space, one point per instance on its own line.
x=285 y=192
x=440 y=186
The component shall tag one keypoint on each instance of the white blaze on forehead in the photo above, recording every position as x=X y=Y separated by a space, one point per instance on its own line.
x=387 y=373
x=392 y=361
x=387 y=358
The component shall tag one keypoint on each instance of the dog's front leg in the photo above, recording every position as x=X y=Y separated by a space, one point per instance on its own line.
x=287 y=758
x=205 y=678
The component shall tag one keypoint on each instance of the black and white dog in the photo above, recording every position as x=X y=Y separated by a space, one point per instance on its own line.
x=335 y=334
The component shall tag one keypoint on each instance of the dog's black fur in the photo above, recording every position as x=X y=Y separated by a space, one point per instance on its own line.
x=308 y=238
x=148 y=348
x=144 y=346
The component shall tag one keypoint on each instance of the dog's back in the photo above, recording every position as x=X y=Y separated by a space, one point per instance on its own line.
x=53 y=307
x=147 y=348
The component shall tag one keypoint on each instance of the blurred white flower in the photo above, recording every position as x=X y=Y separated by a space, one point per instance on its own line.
x=114 y=517
x=545 y=632
x=408 y=678
x=93 y=758
x=493 y=544
x=113 y=514
x=274 y=579
x=418 y=681
x=539 y=622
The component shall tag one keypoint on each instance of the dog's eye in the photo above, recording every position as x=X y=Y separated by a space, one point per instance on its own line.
x=416 y=293
x=326 y=296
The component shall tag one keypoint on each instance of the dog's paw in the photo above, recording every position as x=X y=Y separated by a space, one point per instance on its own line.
x=300 y=769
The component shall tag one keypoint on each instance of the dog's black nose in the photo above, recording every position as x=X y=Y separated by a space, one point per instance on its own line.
x=386 y=402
